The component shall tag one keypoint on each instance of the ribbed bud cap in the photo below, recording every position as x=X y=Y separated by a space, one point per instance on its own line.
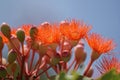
x=33 y=32
x=20 y=35
x=80 y=54
x=5 y=29
x=55 y=59
x=12 y=55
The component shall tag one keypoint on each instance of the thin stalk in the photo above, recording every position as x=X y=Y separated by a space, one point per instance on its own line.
x=88 y=67
x=71 y=65
x=33 y=55
x=18 y=52
x=23 y=61
x=42 y=72
x=0 y=57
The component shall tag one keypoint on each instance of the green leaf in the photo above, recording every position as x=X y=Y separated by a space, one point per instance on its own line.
x=111 y=75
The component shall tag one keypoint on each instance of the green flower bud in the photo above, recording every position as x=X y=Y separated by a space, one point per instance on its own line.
x=53 y=46
x=13 y=66
x=42 y=49
x=66 y=55
x=1 y=43
x=20 y=35
x=5 y=29
x=12 y=55
x=3 y=72
x=33 y=32
x=35 y=45
x=55 y=59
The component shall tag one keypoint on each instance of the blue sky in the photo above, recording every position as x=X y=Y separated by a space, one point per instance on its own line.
x=103 y=15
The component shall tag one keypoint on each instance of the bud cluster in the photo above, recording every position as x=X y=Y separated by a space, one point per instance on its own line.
x=54 y=46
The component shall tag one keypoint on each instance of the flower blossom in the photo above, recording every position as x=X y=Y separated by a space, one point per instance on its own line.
x=107 y=63
x=100 y=44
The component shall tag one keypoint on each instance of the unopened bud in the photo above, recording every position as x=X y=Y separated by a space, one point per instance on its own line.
x=13 y=66
x=12 y=55
x=66 y=55
x=5 y=29
x=35 y=45
x=64 y=23
x=33 y=32
x=80 y=54
x=53 y=46
x=45 y=24
x=1 y=43
x=90 y=73
x=42 y=49
x=20 y=35
x=55 y=59
x=3 y=71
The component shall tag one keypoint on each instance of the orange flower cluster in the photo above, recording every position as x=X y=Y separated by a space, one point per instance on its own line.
x=48 y=33
x=107 y=64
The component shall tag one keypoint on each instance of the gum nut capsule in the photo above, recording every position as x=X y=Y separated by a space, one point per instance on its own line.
x=90 y=73
x=12 y=55
x=5 y=29
x=66 y=55
x=33 y=32
x=55 y=59
x=3 y=71
x=20 y=35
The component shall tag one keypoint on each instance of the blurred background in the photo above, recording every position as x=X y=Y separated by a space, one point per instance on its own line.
x=103 y=15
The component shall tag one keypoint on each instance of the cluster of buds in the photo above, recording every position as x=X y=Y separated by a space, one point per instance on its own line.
x=54 y=46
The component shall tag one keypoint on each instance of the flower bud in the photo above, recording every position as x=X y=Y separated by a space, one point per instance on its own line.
x=13 y=66
x=42 y=49
x=12 y=55
x=35 y=45
x=20 y=35
x=55 y=59
x=15 y=42
x=90 y=73
x=5 y=29
x=80 y=55
x=33 y=32
x=3 y=71
x=66 y=55
x=53 y=46
x=74 y=43
x=1 y=43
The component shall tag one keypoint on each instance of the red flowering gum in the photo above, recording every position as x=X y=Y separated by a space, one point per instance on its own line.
x=48 y=34
x=99 y=45
x=74 y=30
x=107 y=63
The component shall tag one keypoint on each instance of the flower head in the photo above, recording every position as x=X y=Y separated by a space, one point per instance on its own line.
x=107 y=63
x=74 y=30
x=100 y=44
x=48 y=33
x=5 y=40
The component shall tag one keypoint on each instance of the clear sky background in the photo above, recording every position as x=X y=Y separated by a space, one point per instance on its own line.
x=103 y=15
